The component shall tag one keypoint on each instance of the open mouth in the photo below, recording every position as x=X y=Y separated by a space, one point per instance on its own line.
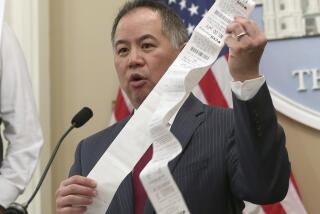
x=136 y=77
x=137 y=80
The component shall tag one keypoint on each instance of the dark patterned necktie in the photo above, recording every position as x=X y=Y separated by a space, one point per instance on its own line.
x=140 y=195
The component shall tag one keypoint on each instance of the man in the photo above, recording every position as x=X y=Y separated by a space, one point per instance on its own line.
x=21 y=124
x=228 y=155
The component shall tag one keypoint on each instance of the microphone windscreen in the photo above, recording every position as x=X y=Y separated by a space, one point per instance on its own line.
x=81 y=117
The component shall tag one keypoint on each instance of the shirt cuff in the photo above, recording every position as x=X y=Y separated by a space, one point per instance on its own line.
x=248 y=89
x=9 y=192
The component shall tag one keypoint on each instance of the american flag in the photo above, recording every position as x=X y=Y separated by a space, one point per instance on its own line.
x=214 y=89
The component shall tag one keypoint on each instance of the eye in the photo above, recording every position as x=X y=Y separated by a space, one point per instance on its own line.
x=122 y=51
x=147 y=46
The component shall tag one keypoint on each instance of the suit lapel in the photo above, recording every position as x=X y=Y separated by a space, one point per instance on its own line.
x=125 y=196
x=189 y=117
x=187 y=120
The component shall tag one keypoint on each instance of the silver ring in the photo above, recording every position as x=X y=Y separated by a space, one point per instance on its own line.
x=240 y=35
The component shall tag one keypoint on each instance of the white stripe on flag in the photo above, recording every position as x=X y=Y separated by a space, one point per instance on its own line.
x=127 y=101
x=292 y=203
x=113 y=119
x=252 y=209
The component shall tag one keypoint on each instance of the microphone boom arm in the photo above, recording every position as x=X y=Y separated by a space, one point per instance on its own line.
x=48 y=165
x=77 y=121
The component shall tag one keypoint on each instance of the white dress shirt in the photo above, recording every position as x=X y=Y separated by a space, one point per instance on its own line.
x=248 y=89
x=18 y=112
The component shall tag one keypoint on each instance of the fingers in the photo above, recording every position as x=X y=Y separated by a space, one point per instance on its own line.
x=77 y=179
x=254 y=35
x=74 y=194
x=246 y=44
x=242 y=24
x=76 y=189
x=234 y=29
x=73 y=200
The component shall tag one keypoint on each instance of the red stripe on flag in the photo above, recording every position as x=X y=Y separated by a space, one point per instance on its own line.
x=121 y=110
x=274 y=209
x=211 y=90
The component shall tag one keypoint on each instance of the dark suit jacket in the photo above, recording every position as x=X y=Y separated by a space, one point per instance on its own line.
x=228 y=156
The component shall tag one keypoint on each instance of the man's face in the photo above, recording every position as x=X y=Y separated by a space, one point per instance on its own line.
x=142 y=53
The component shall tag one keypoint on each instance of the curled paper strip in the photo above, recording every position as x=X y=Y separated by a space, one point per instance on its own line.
x=172 y=90
x=182 y=76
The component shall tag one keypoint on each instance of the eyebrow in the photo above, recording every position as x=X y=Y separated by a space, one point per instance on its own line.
x=146 y=36
x=119 y=42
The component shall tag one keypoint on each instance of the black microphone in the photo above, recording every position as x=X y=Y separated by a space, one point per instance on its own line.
x=77 y=121
x=81 y=117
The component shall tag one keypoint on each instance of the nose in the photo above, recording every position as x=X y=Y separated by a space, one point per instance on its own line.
x=135 y=58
